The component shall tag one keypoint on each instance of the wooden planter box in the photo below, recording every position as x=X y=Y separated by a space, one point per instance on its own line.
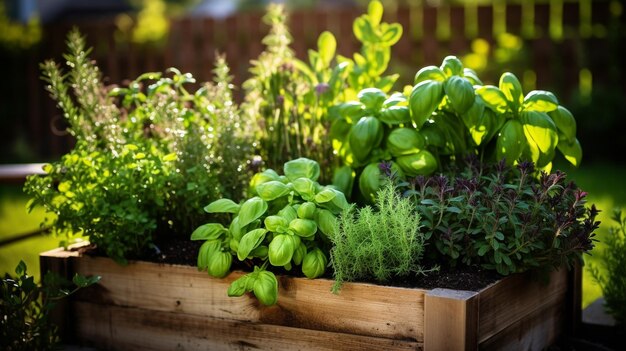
x=152 y=306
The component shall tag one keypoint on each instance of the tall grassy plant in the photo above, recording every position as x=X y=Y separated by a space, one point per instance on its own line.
x=379 y=243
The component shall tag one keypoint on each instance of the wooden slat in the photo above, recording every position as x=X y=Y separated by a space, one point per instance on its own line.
x=452 y=320
x=533 y=332
x=502 y=305
x=136 y=329
x=383 y=311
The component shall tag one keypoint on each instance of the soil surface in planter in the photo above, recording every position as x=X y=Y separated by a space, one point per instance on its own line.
x=185 y=252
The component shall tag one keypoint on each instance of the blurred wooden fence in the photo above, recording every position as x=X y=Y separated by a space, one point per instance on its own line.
x=563 y=41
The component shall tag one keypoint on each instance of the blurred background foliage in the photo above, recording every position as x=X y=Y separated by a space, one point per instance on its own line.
x=569 y=47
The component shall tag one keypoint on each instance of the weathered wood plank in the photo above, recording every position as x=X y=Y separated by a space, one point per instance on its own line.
x=502 y=305
x=533 y=332
x=452 y=320
x=136 y=329
x=302 y=302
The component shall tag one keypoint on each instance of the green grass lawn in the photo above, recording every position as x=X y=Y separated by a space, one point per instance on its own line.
x=15 y=220
x=605 y=184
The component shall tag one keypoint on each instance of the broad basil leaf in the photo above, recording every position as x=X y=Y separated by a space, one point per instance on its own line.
x=250 y=241
x=325 y=195
x=288 y=213
x=512 y=89
x=541 y=135
x=302 y=168
x=511 y=141
x=276 y=224
x=395 y=115
x=372 y=98
x=452 y=66
x=307 y=210
x=238 y=287
x=208 y=249
x=369 y=181
x=494 y=98
x=265 y=288
x=540 y=101
x=424 y=100
x=222 y=206
x=421 y=163
x=219 y=263
x=572 y=151
x=565 y=123
x=460 y=93
x=326 y=222
x=251 y=210
x=272 y=190
x=209 y=231
x=429 y=73
x=305 y=228
x=314 y=264
x=343 y=179
x=351 y=110
x=299 y=254
x=281 y=249
x=262 y=177
x=364 y=136
x=471 y=75
x=305 y=187
x=405 y=141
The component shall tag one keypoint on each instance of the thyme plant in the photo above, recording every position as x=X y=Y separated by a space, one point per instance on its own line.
x=504 y=218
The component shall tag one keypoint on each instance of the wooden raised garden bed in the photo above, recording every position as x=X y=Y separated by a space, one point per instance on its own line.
x=152 y=306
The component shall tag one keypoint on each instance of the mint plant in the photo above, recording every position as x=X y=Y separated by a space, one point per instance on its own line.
x=287 y=222
x=504 y=218
x=25 y=307
x=147 y=156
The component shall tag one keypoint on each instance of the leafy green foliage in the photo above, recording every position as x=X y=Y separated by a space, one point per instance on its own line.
x=25 y=307
x=448 y=115
x=502 y=218
x=291 y=98
x=147 y=156
x=378 y=243
x=613 y=282
x=286 y=223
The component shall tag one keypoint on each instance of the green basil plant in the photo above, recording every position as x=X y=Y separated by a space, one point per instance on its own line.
x=447 y=115
x=287 y=222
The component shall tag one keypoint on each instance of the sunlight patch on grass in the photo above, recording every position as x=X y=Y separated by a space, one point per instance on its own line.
x=607 y=190
x=15 y=220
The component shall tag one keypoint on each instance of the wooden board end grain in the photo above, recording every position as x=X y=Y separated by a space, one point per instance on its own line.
x=451 y=320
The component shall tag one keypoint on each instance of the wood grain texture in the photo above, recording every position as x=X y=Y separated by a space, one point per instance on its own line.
x=302 y=303
x=451 y=320
x=516 y=297
x=124 y=328
x=535 y=331
x=156 y=306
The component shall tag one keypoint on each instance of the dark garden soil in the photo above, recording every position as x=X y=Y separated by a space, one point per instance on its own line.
x=185 y=252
